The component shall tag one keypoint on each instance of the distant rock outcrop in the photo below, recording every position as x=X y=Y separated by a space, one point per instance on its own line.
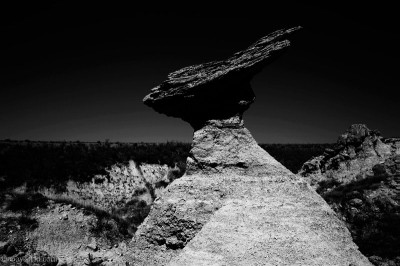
x=360 y=179
x=236 y=205
x=356 y=152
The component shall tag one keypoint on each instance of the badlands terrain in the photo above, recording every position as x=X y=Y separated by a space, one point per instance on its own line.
x=101 y=210
x=95 y=220
x=222 y=201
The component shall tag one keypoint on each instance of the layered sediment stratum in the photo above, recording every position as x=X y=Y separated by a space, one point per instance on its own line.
x=236 y=205
x=218 y=89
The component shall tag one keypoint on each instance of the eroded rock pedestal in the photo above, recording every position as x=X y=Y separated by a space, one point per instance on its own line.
x=236 y=205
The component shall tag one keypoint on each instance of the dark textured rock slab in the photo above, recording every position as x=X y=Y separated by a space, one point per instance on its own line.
x=219 y=89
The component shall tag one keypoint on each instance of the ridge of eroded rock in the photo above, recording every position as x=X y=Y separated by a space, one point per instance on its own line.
x=360 y=179
x=357 y=151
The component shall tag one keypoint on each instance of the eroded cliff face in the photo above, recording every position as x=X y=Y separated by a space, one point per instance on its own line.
x=236 y=205
x=356 y=153
x=360 y=180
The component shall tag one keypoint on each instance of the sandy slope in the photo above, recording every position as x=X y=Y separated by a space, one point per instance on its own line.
x=272 y=220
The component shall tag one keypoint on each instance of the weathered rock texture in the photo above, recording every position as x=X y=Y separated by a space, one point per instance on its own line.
x=236 y=205
x=219 y=89
x=227 y=146
x=356 y=152
x=360 y=180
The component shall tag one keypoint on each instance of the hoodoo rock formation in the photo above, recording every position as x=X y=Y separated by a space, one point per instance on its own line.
x=236 y=205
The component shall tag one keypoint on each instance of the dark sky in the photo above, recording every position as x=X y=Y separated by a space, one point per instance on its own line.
x=80 y=72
